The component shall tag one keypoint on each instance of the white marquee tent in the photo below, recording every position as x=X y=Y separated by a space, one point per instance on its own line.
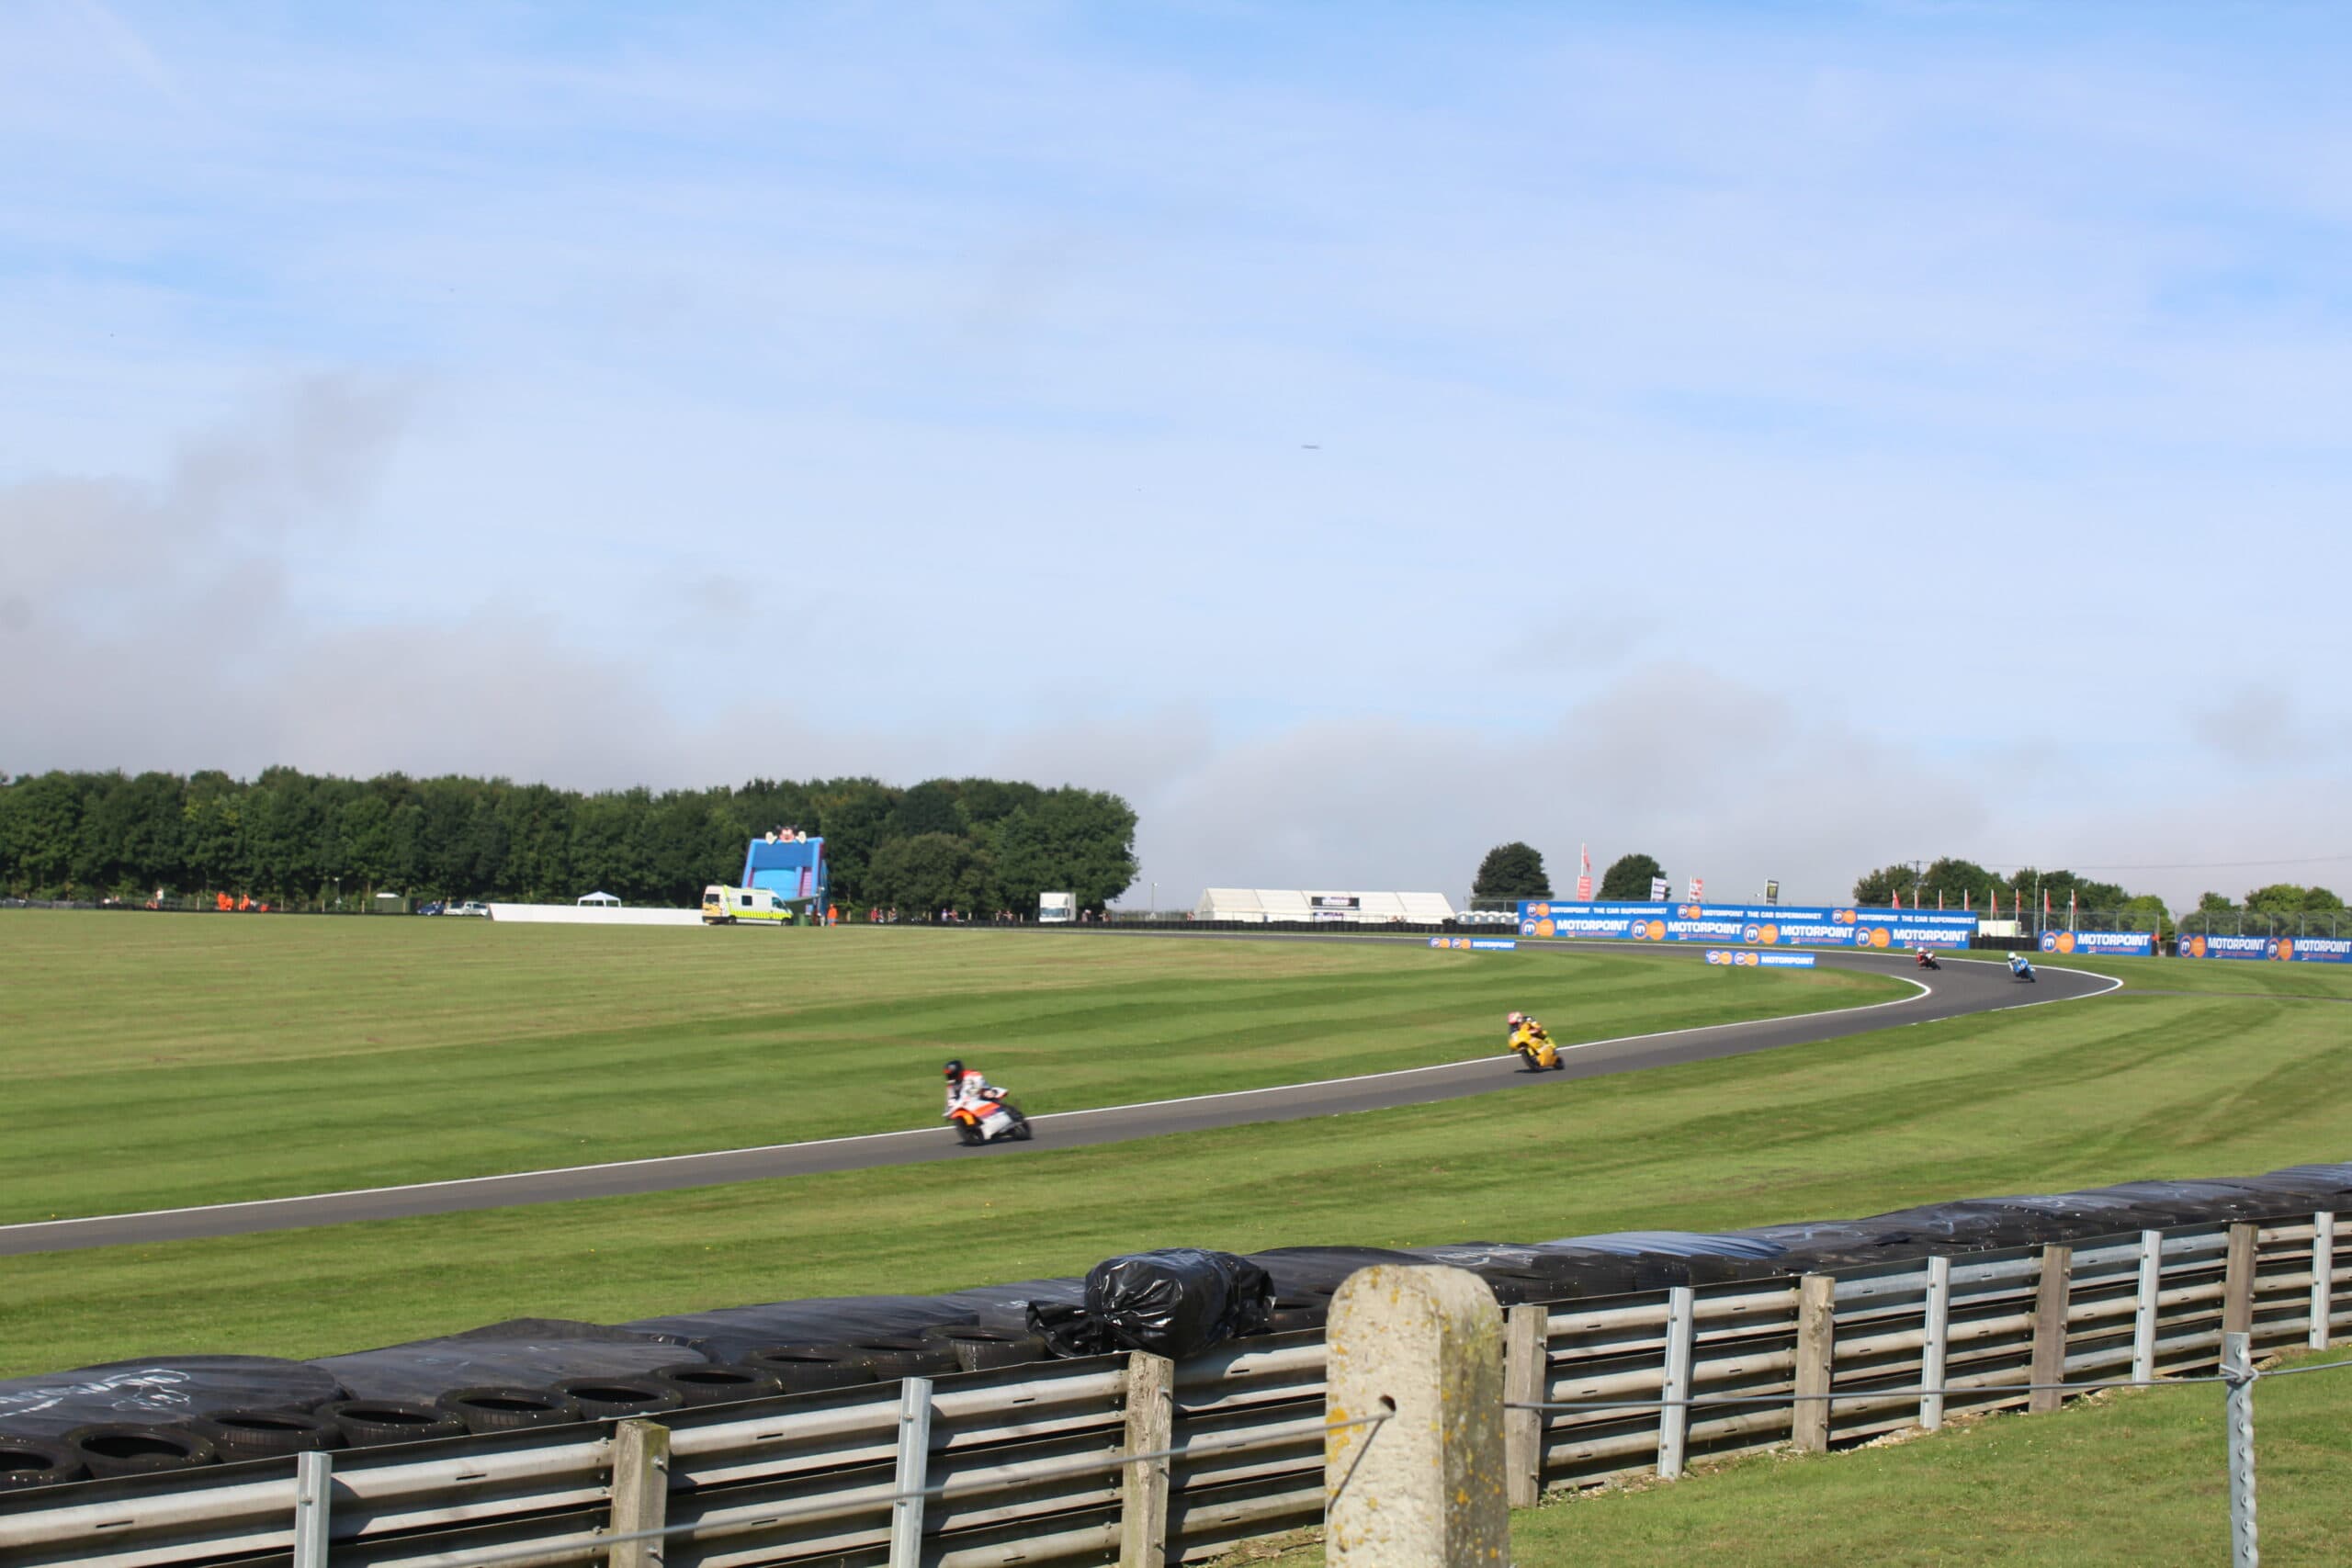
x=1258 y=906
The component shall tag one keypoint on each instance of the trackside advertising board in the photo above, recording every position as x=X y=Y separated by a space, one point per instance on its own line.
x=1749 y=925
x=2100 y=944
x=2278 y=949
x=1748 y=958
x=1475 y=943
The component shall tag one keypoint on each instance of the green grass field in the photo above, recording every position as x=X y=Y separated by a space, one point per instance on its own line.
x=2038 y=1098
x=160 y=1061
x=2132 y=1481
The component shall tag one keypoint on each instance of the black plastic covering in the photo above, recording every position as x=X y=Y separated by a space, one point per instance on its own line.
x=529 y=1352
x=159 y=1391
x=1179 y=1301
x=1172 y=1303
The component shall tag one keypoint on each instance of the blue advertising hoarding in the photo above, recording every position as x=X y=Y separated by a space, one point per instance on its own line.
x=2099 y=944
x=1748 y=958
x=1749 y=925
x=2275 y=949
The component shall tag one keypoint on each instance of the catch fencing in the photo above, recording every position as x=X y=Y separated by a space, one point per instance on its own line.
x=1135 y=1459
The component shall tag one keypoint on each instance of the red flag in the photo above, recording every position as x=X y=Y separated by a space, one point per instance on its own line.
x=2045 y=903
x=1898 y=900
x=1997 y=900
x=1940 y=900
x=1584 y=880
x=1966 y=894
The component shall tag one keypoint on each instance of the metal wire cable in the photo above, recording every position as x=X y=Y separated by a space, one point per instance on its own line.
x=522 y=1557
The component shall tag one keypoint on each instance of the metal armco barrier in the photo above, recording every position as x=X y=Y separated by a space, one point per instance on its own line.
x=1031 y=1464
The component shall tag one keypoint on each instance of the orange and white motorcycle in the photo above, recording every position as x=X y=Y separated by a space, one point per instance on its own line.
x=990 y=1119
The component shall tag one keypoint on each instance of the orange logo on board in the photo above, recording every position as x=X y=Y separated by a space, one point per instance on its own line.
x=1655 y=930
x=2286 y=947
x=1543 y=928
x=2197 y=947
x=1878 y=936
x=1770 y=935
x=2065 y=941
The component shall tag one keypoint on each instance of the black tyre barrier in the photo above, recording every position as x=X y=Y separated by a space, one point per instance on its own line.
x=114 y=1448
x=902 y=1356
x=709 y=1382
x=266 y=1434
x=806 y=1369
x=977 y=1349
x=370 y=1422
x=610 y=1399
x=29 y=1461
x=500 y=1409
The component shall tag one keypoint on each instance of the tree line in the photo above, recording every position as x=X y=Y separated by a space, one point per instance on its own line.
x=1516 y=871
x=300 y=838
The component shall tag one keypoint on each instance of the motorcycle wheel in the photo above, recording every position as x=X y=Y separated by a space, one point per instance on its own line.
x=1020 y=1128
x=971 y=1134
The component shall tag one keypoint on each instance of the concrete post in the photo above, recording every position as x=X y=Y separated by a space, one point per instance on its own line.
x=2051 y=1295
x=2143 y=1306
x=2237 y=1280
x=1816 y=1332
x=1673 y=1407
x=1425 y=1488
x=1151 y=1429
x=1526 y=1363
x=2322 y=1277
x=1936 y=1350
x=640 y=1491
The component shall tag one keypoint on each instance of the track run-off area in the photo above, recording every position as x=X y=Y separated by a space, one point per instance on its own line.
x=1960 y=987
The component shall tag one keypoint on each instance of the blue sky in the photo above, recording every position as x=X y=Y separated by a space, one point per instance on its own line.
x=1785 y=439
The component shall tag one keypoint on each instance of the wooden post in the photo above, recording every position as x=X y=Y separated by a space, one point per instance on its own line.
x=2322 y=1277
x=1674 y=1394
x=2237 y=1280
x=2049 y=1300
x=1816 y=1348
x=313 y=1481
x=640 y=1491
x=1151 y=1428
x=1934 y=1351
x=2143 y=1306
x=913 y=1472
x=1526 y=1366
x=1418 y=1349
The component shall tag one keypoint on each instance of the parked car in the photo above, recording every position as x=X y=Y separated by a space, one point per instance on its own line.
x=468 y=907
x=432 y=909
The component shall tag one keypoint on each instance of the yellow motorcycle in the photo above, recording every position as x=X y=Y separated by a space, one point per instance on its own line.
x=1533 y=1043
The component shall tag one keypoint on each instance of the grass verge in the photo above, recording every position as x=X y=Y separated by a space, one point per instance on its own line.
x=2112 y=1481
x=2041 y=1098
x=155 y=1061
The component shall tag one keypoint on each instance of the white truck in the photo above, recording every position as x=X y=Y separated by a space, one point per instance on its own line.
x=1057 y=908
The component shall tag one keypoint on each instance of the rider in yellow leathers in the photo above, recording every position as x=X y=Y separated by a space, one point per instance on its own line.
x=1533 y=1043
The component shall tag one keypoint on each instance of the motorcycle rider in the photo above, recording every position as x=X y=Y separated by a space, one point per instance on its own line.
x=1925 y=960
x=1531 y=1039
x=2019 y=966
x=966 y=1087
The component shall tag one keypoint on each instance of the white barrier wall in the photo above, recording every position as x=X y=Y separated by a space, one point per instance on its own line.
x=593 y=914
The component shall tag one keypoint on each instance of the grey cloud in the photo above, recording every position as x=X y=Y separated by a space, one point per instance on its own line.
x=2262 y=725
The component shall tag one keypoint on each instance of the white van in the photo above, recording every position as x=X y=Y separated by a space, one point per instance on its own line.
x=726 y=906
x=1057 y=908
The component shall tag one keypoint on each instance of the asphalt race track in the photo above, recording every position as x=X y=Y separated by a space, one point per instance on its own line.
x=1960 y=987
